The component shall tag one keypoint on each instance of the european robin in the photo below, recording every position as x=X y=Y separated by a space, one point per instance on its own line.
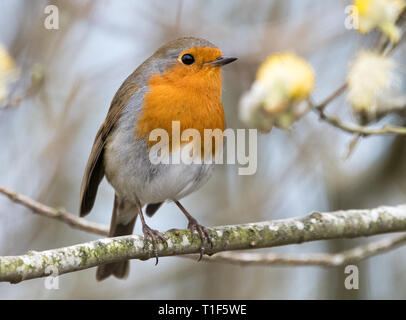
x=181 y=82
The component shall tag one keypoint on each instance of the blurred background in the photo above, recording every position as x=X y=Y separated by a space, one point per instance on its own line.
x=66 y=82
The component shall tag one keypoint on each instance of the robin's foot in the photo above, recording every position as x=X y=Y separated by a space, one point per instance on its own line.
x=154 y=235
x=203 y=234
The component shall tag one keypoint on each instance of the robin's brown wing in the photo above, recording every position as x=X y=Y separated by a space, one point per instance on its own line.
x=94 y=171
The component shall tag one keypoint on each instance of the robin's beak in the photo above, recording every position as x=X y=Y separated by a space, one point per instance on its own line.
x=222 y=61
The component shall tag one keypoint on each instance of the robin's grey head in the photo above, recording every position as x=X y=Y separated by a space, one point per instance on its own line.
x=192 y=53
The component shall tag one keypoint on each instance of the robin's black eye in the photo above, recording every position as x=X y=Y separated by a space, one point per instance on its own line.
x=188 y=59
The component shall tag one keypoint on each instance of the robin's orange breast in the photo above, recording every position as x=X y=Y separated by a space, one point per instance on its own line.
x=193 y=99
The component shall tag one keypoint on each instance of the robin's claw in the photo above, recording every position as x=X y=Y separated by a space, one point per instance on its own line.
x=153 y=235
x=204 y=235
x=207 y=235
x=192 y=229
x=201 y=253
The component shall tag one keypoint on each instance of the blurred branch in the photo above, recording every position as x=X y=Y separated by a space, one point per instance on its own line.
x=384 y=46
x=356 y=129
x=321 y=106
x=318 y=259
x=55 y=213
x=316 y=226
x=395 y=105
x=361 y=130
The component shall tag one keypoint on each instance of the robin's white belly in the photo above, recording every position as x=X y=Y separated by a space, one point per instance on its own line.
x=129 y=170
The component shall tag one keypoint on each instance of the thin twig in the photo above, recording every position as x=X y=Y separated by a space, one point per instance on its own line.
x=58 y=214
x=354 y=129
x=361 y=130
x=178 y=16
x=321 y=106
x=351 y=147
x=318 y=259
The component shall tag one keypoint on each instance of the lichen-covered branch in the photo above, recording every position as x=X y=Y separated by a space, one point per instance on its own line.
x=316 y=226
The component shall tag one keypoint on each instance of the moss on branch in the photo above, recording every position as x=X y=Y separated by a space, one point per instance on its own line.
x=316 y=226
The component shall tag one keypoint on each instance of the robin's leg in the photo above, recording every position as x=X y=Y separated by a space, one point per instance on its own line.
x=195 y=226
x=151 y=233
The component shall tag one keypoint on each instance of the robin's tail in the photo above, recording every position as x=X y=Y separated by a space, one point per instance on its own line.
x=118 y=269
